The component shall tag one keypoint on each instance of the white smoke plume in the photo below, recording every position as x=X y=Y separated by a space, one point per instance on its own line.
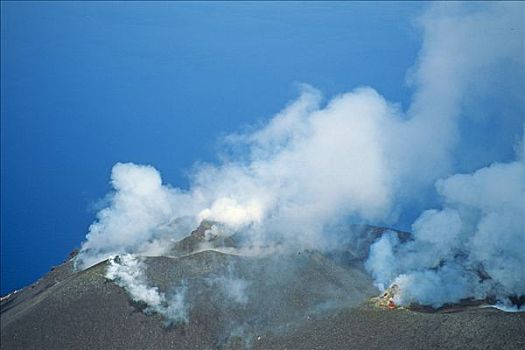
x=360 y=157
x=473 y=247
x=127 y=271
x=142 y=217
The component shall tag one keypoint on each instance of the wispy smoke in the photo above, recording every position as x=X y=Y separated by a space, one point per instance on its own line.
x=232 y=287
x=361 y=158
x=127 y=271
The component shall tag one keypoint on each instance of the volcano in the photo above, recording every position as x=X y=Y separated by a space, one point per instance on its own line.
x=291 y=299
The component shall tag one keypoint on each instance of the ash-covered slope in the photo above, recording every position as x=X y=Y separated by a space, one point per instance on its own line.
x=293 y=300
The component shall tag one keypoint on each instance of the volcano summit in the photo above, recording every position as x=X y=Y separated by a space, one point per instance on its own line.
x=208 y=294
x=269 y=244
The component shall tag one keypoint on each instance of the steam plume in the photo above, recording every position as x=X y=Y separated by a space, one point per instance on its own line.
x=360 y=157
x=473 y=247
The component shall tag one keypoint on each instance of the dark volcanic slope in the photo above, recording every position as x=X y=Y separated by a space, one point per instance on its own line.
x=304 y=300
x=367 y=328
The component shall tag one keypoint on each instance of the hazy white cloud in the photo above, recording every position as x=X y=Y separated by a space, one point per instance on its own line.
x=360 y=156
x=474 y=246
x=143 y=216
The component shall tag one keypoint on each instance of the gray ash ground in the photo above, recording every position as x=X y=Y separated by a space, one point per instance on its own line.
x=300 y=300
